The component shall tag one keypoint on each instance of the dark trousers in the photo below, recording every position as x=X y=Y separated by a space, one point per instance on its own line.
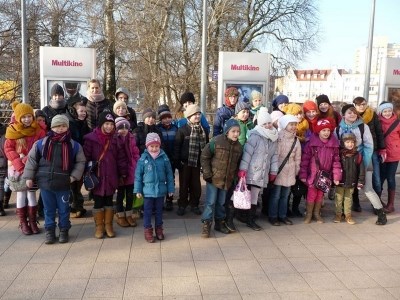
x=102 y=201
x=125 y=191
x=77 y=197
x=189 y=186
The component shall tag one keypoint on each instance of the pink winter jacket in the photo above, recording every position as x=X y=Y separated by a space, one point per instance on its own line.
x=328 y=154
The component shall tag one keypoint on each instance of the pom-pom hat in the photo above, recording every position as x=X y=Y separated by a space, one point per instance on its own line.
x=324 y=123
x=152 y=138
x=121 y=123
x=105 y=116
x=263 y=116
x=21 y=109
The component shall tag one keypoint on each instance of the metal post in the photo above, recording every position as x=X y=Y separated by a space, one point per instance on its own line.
x=204 y=73
x=25 y=69
x=369 y=53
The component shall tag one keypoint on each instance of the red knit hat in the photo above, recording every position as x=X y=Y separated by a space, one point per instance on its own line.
x=309 y=105
x=324 y=123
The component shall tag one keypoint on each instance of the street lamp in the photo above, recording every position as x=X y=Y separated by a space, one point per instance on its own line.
x=369 y=53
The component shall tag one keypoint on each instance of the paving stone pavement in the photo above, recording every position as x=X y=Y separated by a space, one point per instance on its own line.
x=315 y=261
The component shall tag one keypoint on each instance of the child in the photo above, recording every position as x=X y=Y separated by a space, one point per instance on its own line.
x=322 y=150
x=352 y=177
x=220 y=163
x=53 y=163
x=242 y=114
x=391 y=131
x=189 y=141
x=20 y=137
x=120 y=109
x=259 y=160
x=278 y=104
x=101 y=148
x=122 y=94
x=326 y=110
x=153 y=180
x=256 y=103
x=288 y=146
x=127 y=142
x=3 y=168
x=168 y=132
x=311 y=114
x=148 y=125
x=226 y=111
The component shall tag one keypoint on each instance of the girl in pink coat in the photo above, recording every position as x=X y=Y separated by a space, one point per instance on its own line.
x=324 y=145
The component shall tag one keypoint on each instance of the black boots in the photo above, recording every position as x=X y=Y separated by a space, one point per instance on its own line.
x=2 y=212
x=382 y=220
x=356 y=202
x=220 y=226
x=251 y=218
x=64 y=237
x=390 y=204
x=7 y=196
x=230 y=213
x=50 y=236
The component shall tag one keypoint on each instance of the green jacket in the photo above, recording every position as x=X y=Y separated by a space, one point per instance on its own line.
x=244 y=129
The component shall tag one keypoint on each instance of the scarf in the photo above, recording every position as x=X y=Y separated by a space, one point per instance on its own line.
x=312 y=123
x=58 y=104
x=18 y=130
x=348 y=153
x=154 y=155
x=302 y=128
x=197 y=141
x=271 y=134
x=95 y=97
x=66 y=148
x=367 y=115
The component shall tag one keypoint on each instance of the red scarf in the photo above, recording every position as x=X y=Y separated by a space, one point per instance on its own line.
x=65 y=140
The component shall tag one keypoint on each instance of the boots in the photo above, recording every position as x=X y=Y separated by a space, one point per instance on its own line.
x=64 y=237
x=121 y=220
x=381 y=217
x=50 y=236
x=356 y=202
x=230 y=213
x=295 y=207
x=206 y=228
x=32 y=213
x=98 y=216
x=7 y=196
x=22 y=213
x=159 y=233
x=317 y=212
x=148 y=235
x=131 y=218
x=251 y=217
x=338 y=218
x=350 y=220
x=309 y=212
x=390 y=204
x=2 y=212
x=108 y=221
x=220 y=226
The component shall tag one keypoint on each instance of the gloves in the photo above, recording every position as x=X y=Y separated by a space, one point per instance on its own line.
x=272 y=177
x=242 y=173
x=382 y=154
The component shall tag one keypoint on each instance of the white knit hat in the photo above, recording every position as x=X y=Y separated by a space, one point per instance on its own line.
x=263 y=116
x=285 y=120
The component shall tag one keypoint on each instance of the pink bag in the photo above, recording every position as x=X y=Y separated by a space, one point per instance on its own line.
x=241 y=196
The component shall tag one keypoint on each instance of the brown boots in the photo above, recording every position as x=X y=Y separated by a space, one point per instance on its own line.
x=313 y=209
x=98 y=216
x=121 y=219
x=131 y=218
x=126 y=219
x=390 y=204
x=108 y=221
x=309 y=212
x=22 y=214
x=32 y=214
x=148 y=235
x=317 y=212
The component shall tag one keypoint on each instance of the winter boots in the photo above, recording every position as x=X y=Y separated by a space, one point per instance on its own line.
x=220 y=226
x=50 y=236
x=2 y=212
x=22 y=214
x=159 y=233
x=7 y=196
x=317 y=212
x=121 y=219
x=382 y=220
x=356 y=202
x=251 y=219
x=338 y=218
x=32 y=213
x=131 y=218
x=64 y=236
x=148 y=235
x=230 y=213
x=206 y=228
x=98 y=216
x=390 y=204
x=108 y=221
x=309 y=212
x=350 y=220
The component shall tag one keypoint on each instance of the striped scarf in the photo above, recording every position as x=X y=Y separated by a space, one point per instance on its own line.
x=65 y=140
x=197 y=141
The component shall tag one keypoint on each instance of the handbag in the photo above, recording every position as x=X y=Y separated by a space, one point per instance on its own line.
x=322 y=181
x=15 y=180
x=241 y=195
x=91 y=178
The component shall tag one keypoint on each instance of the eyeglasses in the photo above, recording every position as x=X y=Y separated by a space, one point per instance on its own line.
x=362 y=104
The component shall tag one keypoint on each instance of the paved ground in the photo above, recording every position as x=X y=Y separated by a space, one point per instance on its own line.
x=316 y=261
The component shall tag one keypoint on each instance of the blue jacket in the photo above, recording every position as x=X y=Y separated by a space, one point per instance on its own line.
x=223 y=114
x=153 y=177
x=203 y=121
x=168 y=139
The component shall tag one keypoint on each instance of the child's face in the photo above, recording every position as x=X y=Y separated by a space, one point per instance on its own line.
x=323 y=107
x=195 y=119
x=186 y=104
x=325 y=133
x=233 y=100
x=350 y=116
x=349 y=144
x=27 y=120
x=300 y=117
x=311 y=114
x=387 y=113
x=268 y=125
x=166 y=120
x=40 y=119
x=60 y=129
x=150 y=121
x=291 y=127
x=81 y=111
x=243 y=115
x=94 y=88
x=121 y=111
x=122 y=97
x=153 y=148
x=256 y=102
x=233 y=133
x=123 y=131
x=108 y=127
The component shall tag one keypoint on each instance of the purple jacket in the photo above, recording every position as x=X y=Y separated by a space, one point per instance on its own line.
x=128 y=145
x=328 y=154
x=112 y=166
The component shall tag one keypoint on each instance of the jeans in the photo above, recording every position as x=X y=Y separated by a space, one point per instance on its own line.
x=148 y=206
x=388 y=172
x=278 y=201
x=376 y=176
x=53 y=201
x=214 y=203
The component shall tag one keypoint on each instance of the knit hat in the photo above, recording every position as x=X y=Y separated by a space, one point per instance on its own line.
x=187 y=97
x=56 y=89
x=293 y=109
x=231 y=91
x=285 y=120
x=21 y=109
x=348 y=106
x=255 y=95
x=384 y=105
x=348 y=136
x=121 y=122
x=163 y=111
x=152 y=138
x=191 y=110
x=263 y=116
x=241 y=106
x=279 y=100
x=105 y=116
x=58 y=120
x=39 y=113
x=148 y=112
x=322 y=99
x=309 y=105
x=229 y=124
x=119 y=103
x=324 y=123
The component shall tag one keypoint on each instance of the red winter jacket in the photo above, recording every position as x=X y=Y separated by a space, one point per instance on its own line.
x=392 y=141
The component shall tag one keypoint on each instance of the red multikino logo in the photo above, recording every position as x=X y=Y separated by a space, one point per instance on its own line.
x=396 y=72
x=235 y=67
x=66 y=63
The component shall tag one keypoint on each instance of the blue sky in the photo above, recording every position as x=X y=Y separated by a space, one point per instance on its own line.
x=344 y=26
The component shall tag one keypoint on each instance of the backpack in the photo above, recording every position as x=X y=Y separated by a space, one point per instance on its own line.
x=74 y=150
x=360 y=127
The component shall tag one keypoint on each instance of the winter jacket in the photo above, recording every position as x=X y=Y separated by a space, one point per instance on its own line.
x=49 y=174
x=392 y=141
x=128 y=145
x=168 y=138
x=140 y=134
x=3 y=158
x=245 y=127
x=78 y=128
x=203 y=121
x=112 y=167
x=287 y=177
x=259 y=159
x=94 y=109
x=51 y=113
x=353 y=170
x=223 y=114
x=153 y=177
x=375 y=127
x=220 y=161
x=328 y=155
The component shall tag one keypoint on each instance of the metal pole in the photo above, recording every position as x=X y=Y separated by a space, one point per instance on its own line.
x=204 y=73
x=25 y=70
x=369 y=53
